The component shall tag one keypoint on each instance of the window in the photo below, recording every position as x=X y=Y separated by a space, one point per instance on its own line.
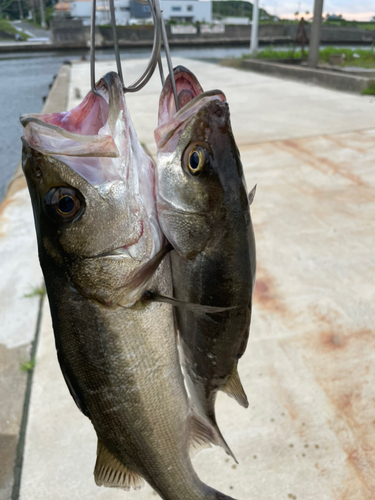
x=176 y=9
x=189 y=8
x=124 y=8
x=146 y=8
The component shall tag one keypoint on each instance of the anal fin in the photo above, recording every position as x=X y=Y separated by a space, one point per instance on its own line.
x=201 y=435
x=204 y=433
x=235 y=390
x=111 y=473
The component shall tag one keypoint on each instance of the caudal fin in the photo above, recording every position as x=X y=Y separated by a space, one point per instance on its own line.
x=212 y=494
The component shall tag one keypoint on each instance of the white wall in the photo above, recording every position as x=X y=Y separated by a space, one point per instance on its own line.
x=199 y=11
x=82 y=10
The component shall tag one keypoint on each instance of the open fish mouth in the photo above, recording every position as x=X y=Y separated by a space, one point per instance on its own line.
x=191 y=99
x=95 y=139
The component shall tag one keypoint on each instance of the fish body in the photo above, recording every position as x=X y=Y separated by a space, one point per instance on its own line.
x=203 y=210
x=100 y=246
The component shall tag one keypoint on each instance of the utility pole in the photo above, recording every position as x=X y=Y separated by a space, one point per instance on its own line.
x=42 y=16
x=20 y=8
x=315 y=34
x=254 y=29
x=33 y=10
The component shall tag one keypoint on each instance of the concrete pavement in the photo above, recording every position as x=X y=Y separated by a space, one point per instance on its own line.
x=20 y=276
x=31 y=30
x=308 y=369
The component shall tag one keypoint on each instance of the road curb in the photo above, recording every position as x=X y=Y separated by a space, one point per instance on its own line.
x=326 y=78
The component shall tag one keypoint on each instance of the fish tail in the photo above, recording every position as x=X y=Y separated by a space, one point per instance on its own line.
x=212 y=494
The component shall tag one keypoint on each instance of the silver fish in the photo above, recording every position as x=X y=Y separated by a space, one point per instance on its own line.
x=204 y=212
x=100 y=247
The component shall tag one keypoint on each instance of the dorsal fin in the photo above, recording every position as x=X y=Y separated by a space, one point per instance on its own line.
x=252 y=194
x=235 y=390
x=111 y=473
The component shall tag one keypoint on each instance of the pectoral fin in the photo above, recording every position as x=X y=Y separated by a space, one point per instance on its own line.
x=111 y=473
x=143 y=276
x=198 y=308
x=235 y=390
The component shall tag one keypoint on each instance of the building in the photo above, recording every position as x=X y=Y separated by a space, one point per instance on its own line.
x=128 y=11
x=187 y=11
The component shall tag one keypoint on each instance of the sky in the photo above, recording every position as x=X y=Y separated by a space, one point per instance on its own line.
x=361 y=10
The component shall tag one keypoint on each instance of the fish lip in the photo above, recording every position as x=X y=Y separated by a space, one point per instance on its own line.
x=164 y=132
x=78 y=126
x=109 y=81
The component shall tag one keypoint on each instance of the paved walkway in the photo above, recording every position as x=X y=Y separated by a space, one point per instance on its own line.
x=32 y=30
x=308 y=369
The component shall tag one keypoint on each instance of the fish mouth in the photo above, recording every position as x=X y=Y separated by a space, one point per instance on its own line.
x=191 y=99
x=97 y=141
x=93 y=130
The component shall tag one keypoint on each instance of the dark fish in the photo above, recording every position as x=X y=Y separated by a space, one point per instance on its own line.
x=204 y=212
x=100 y=247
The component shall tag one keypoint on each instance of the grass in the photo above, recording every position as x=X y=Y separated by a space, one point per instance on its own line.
x=370 y=90
x=37 y=291
x=28 y=366
x=6 y=27
x=361 y=58
x=363 y=25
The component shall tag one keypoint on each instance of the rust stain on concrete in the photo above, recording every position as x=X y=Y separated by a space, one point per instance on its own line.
x=4 y=205
x=266 y=294
x=342 y=363
x=342 y=143
x=318 y=162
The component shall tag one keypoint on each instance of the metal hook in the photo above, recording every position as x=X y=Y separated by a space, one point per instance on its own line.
x=155 y=55
x=167 y=53
x=115 y=40
x=160 y=64
x=92 y=48
x=155 y=58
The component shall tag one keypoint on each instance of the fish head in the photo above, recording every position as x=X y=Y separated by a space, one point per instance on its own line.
x=199 y=171
x=92 y=191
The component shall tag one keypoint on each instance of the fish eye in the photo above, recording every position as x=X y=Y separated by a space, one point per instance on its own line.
x=64 y=204
x=196 y=160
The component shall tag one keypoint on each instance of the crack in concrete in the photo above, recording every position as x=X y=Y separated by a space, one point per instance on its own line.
x=25 y=413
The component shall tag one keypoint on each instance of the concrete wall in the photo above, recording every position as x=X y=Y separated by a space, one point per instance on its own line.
x=127 y=33
x=73 y=31
x=335 y=35
x=69 y=31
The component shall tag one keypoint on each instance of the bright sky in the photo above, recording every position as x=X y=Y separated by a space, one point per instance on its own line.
x=361 y=10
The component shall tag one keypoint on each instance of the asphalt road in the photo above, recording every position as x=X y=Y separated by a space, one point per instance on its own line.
x=32 y=30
